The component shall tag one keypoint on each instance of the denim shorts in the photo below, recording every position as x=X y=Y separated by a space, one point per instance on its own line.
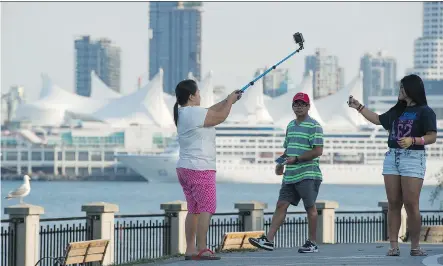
x=405 y=162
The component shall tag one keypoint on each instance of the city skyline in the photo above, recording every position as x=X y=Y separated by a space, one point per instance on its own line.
x=222 y=51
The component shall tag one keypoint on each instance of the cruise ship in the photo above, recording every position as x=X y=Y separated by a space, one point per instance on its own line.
x=247 y=155
x=109 y=134
x=250 y=140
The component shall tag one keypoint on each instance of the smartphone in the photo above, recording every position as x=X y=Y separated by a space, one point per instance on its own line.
x=281 y=160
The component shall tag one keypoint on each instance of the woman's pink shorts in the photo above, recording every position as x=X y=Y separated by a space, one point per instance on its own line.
x=199 y=189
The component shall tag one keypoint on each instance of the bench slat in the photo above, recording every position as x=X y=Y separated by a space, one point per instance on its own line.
x=238 y=240
x=89 y=258
x=86 y=251
x=81 y=252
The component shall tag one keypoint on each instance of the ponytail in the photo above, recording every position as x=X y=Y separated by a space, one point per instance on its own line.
x=183 y=90
x=176 y=113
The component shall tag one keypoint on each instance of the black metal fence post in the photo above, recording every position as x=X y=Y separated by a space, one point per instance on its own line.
x=9 y=242
x=167 y=233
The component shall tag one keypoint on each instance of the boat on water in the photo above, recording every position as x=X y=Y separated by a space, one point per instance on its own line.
x=246 y=154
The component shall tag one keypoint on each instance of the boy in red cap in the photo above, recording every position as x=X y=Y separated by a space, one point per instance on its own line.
x=302 y=178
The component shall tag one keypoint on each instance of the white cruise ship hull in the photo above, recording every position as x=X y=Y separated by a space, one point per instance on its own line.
x=161 y=168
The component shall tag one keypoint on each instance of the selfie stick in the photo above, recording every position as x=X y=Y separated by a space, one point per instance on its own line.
x=298 y=38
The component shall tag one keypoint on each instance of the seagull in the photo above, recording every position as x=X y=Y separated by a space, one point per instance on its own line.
x=21 y=191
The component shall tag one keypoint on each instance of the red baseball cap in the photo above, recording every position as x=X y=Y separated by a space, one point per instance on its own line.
x=301 y=97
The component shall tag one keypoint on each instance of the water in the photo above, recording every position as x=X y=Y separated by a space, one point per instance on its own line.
x=65 y=198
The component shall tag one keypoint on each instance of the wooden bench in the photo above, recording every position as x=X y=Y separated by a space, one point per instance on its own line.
x=82 y=252
x=431 y=234
x=238 y=240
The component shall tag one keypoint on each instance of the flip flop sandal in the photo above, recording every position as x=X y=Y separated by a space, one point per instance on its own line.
x=199 y=256
x=189 y=257
x=393 y=252
x=418 y=252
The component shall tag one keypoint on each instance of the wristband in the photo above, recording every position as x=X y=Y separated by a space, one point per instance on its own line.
x=360 y=108
x=413 y=141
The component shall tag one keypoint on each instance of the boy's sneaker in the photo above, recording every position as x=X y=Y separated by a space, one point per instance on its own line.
x=262 y=242
x=308 y=247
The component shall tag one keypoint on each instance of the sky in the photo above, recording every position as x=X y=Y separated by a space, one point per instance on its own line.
x=237 y=37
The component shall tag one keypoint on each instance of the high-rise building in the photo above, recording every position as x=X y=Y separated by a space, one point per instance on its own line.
x=276 y=82
x=379 y=75
x=100 y=56
x=328 y=76
x=175 y=41
x=428 y=49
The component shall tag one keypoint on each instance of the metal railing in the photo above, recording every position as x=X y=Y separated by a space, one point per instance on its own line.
x=145 y=236
x=136 y=239
x=231 y=222
x=429 y=217
x=360 y=226
x=8 y=242
x=59 y=232
x=293 y=232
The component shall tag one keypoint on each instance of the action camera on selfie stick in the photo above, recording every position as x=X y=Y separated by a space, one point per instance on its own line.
x=298 y=38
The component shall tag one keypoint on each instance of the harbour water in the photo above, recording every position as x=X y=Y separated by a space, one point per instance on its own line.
x=64 y=198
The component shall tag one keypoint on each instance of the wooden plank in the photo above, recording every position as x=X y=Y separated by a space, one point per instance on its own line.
x=73 y=260
x=79 y=245
x=97 y=250
x=238 y=240
x=92 y=243
x=94 y=257
x=94 y=250
x=80 y=259
x=432 y=234
x=248 y=246
x=228 y=246
x=77 y=252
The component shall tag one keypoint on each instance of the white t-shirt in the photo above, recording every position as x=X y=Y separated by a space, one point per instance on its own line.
x=197 y=143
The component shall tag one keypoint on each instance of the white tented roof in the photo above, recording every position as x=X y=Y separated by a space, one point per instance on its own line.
x=144 y=106
x=149 y=105
x=251 y=108
x=55 y=103
x=99 y=90
x=334 y=109
x=55 y=106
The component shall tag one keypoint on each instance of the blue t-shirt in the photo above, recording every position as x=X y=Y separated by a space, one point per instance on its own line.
x=415 y=121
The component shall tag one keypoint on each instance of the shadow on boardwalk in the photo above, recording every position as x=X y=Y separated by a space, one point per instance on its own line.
x=329 y=255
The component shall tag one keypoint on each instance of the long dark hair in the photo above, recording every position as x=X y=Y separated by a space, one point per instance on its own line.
x=183 y=90
x=414 y=89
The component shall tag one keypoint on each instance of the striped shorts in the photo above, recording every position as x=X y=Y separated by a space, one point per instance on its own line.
x=199 y=189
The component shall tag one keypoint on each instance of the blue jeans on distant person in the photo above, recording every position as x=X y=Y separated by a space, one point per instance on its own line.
x=404 y=162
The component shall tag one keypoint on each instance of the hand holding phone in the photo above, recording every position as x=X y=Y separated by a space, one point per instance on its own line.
x=281 y=160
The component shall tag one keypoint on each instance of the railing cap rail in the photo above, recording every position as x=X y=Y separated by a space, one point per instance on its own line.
x=251 y=205
x=172 y=206
x=24 y=209
x=100 y=207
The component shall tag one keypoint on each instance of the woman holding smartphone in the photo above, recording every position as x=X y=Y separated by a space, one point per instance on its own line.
x=411 y=124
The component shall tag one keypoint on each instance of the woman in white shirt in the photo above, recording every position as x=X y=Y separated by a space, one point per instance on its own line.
x=196 y=166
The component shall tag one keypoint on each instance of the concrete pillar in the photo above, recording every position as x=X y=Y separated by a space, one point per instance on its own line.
x=176 y=212
x=326 y=221
x=26 y=226
x=252 y=213
x=101 y=221
x=403 y=226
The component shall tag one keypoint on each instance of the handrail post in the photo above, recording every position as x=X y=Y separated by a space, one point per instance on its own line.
x=253 y=221
x=101 y=221
x=326 y=221
x=176 y=212
x=26 y=222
